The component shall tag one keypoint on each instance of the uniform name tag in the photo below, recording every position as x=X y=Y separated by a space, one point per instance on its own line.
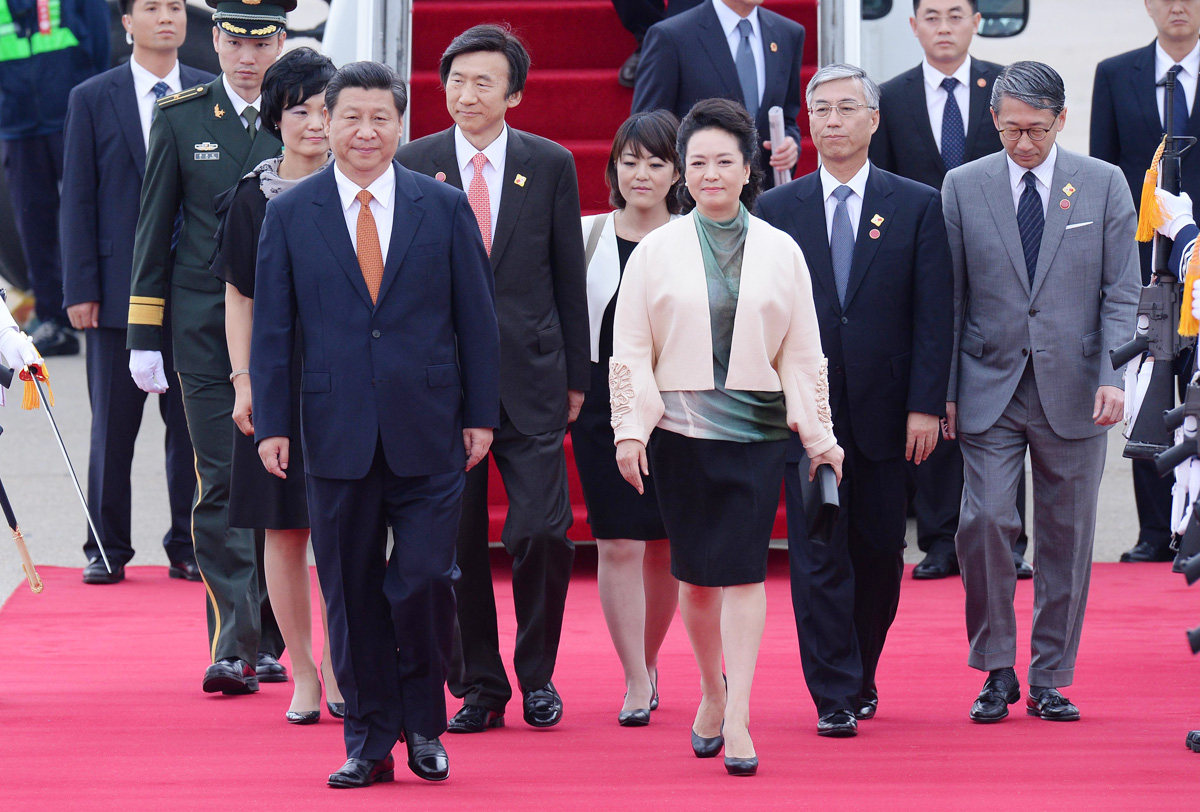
x=206 y=156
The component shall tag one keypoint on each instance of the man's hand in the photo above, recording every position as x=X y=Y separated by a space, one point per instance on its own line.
x=242 y=412
x=1110 y=405
x=17 y=348
x=922 y=436
x=833 y=457
x=476 y=442
x=1176 y=210
x=785 y=157
x=574 y=404
x=273 y=452
x=950 y=421
x=84 y=315
x=146 y=367
x=632 y=460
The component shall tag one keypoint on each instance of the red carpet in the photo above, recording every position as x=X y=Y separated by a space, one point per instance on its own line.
x=101 y=708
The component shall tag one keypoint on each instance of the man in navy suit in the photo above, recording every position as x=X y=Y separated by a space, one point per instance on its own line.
x=385 y=273
x=732 y=49
x=1128 y=120
x=107 y=132
x=877 y=250
x=932 y=119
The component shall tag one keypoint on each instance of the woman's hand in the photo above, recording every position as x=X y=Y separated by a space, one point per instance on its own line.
x=631 y=459
x=241 y=405
x=833 y=457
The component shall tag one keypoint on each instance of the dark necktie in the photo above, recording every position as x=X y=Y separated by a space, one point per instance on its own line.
x=1180 y=106
x=841 y=242
x=251 y=116
x=746 y=70
x=159 y=90
x=1031 y=221
x=954 y=137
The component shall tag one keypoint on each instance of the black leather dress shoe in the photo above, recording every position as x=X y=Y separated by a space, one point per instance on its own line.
x=1049 y=704
x=363 y=772
x=303 y=717
x=475 y=719
x=426 y=757
x=839 y=724
x=999 y=691
x=1179 y=564
x=543 y=707
x=936 y=564
x=741 y=766
x=186 y=570
x=1144 y=552
x=1024 y=571
x=868 y=704
x=1193 y=741
x=231 y=677
x=268 y=669
x=707 y=748
x=336 y=709
x=52 y=338
x=627 y=74
x=95 y=573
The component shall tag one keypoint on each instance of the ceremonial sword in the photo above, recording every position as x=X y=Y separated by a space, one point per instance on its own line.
x=35 y=583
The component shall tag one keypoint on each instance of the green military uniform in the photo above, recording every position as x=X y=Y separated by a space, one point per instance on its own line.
x=199 y=147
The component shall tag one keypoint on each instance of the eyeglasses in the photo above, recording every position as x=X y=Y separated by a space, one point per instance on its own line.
x=844 y=109
x=1034 y=133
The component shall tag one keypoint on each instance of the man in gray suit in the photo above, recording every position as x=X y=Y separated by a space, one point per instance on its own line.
x=1045 y=279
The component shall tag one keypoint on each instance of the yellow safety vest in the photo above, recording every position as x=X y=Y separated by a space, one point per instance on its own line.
x=13 y=46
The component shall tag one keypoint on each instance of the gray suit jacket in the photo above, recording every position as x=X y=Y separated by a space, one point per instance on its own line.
x=1083 y=301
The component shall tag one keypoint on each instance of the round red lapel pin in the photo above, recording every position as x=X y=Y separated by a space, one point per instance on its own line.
x=440 y=176
x=1066 y=204
x=874 y=233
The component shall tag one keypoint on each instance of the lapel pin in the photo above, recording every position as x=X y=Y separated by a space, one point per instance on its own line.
x=520 y=181
x=218 y=112
x=874 y=234
x=981 y=82
x=1069 y=190
x=877 y=220
x=774 y=48
x=1065 y=204
x=440 y=177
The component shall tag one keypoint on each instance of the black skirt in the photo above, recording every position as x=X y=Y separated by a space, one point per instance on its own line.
x=615 y=509
x=718 y=501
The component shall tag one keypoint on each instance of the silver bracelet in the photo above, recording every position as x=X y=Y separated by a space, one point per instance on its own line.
x=237 y=372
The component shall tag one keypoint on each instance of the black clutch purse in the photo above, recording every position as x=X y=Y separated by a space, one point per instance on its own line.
x=821 y=504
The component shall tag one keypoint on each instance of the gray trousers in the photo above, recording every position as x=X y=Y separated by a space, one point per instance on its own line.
x=1066 y=485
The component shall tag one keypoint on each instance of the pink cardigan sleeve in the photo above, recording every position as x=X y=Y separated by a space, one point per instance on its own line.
x=636 y=403
x=803 y=369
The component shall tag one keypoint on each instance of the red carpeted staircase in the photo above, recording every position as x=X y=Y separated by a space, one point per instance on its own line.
x=571 y=97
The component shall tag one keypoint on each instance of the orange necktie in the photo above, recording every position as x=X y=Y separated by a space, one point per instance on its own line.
x=477 y=196
x=370 y=256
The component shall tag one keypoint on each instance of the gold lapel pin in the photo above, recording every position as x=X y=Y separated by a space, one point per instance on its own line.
x=440 y=176
x=774 y=47
x=218 y=112
x=520 y=181
x=877 y=221
x=1069 y=190
x=981 y=82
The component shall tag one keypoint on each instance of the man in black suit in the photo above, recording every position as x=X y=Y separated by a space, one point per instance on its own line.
x=877 y=250
x=107 y=132
x=731 y=49
x=525 y=196
x=933 y=118
x=1128 y=120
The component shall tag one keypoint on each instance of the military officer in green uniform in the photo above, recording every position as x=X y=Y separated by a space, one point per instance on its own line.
x=203 y=140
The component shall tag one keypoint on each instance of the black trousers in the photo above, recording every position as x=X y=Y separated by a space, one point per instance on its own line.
x=391 y=620
x=33 y=167
x=845 y=593
x=638 y=15
x=117 y=407
x=534 y=472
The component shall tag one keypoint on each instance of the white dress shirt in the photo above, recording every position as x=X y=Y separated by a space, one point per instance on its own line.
x=143 y=89
x=240 y=104
x=1044 y=174
x=854 y=203
x=493 y=170
x=935 y=96
x=383 y=205
x=729 y=20
x=1186 y=81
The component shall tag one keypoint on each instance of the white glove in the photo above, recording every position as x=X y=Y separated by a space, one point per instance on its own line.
x=1196 y=300
x=146 y=367
x=1177 y=212
x=17 y=348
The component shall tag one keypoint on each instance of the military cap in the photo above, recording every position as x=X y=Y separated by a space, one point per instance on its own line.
x=253 y=19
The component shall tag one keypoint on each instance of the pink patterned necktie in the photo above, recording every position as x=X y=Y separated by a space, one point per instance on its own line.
x=481 y=204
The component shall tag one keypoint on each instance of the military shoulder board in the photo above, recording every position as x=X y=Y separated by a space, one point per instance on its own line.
x=182 y=96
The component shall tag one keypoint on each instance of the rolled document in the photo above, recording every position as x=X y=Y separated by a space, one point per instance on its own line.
x=775 y=121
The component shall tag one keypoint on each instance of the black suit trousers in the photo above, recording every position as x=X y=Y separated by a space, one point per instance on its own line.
x=391 y=620
x=534 y=471
x=845 y=593
x=638 y=15
x=33 y=167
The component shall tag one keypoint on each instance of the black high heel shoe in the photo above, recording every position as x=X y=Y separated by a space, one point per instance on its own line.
x=336 y=709
x=303 y=717
x=654 y=696
x=741 y=766
x=708 y=748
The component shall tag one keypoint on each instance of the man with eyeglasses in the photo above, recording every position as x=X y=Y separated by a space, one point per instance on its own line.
x=1128 y=122
x=932 y=119
x=1045 y=281
x=876 y=248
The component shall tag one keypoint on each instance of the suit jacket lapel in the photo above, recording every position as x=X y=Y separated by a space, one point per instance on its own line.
x=1145 y=88
x=775 y=67
x=875 y=206
x=123 y=96
x=406 y=219
x=512 y=196
x=979 y=117
x=1056 y=218
x=914 y=91
x=999 y=198
x=331 y=225
x=222 y=122
x=445 y=159
x=713 y=40
x=809 y=226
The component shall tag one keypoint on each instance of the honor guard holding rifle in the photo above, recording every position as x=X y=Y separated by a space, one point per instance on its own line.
x=202 y=141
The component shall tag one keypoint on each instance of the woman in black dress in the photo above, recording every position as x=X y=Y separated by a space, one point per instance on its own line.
x=637 y=591
x=293 y=95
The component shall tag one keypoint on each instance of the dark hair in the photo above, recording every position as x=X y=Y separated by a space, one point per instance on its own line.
x=367 y=76
x=650 y=132
x=974 y=4
x=1036 y=84
x=299 y=75
x=727 y=116
x=492 y=38
x=127 y=6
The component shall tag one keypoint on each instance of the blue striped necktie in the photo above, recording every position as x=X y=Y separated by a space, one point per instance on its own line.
x=159 y=90
x=1180 y=105
x=841 y=242
x=1031 y=222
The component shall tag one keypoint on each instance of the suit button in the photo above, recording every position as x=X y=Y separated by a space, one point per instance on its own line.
x=1024 y=351
x=845 y=320
x=375 y=334
x=1032 y=312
